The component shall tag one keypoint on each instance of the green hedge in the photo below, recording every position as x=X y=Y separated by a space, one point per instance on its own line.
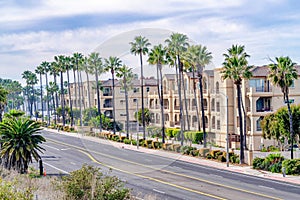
x=195 y=136
x=292 y=166
x=272 y=162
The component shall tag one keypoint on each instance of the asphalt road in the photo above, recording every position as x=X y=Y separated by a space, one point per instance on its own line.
x=155 y=177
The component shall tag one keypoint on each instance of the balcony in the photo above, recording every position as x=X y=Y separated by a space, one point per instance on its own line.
x=260 y=91
x=107 y=94
x=107 y=105
x=267 y=109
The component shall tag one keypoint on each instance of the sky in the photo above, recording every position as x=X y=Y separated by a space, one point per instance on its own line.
x=33 y=31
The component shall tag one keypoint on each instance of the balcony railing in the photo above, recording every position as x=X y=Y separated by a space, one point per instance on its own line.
x=260 y=89
x=107 y=94
x=270 y=109
x=108 y=105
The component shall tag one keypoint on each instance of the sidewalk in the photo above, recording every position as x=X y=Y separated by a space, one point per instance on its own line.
x=234 y=168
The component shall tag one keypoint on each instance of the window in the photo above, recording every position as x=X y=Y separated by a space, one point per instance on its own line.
x=213 y=122
x=122 y=102
x=122 y=91
x=258 y=126
x=134 y=100
x=293 y=84
x=218 y=106
x=213 y=105
x=136 y=90
x=148 y=89
x=218 y=125
x=217 y=88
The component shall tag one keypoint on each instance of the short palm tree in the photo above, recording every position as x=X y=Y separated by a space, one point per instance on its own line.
x=282 y=74
x=140 y=47
x=157 y=56
x=177 y=44
x=112 y=64
x=126 y=74
x=235 y=67
x=20 y=141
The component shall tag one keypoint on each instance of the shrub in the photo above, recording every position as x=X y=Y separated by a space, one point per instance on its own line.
x=257 y=162
x=66 y=128
x=194 y=152
x=134 y=142
x=186 y=150
x=175 y=147
x=127 y=141
x=89 y=183
x=166 y=145
x=234 y=158
x=122 y=138
x=170 y=132
x=292 y=166
x=221 y=158
x=203 y=152
x=213 y=153
x=156 y=144
x=272 y=162
x=148 y=143
x=176 y=134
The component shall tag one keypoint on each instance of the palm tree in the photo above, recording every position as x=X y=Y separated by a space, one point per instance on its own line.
x=199 y=56
x=140 y=47
x=31 y=80
x=54 y=71
x=77 y=60
x=282 y=74
x=177 y=44
x=61 y=63
x=157 y=57
x=235 y=67
x=126 y=74
x=52 y=88
x=46 y=66
x=112 y=64
x=3 y=100
x=40 y=70
x=69 y=66
x=96 y=67
x=20 y=141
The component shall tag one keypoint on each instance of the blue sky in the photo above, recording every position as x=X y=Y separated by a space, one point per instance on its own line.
x=34 y=31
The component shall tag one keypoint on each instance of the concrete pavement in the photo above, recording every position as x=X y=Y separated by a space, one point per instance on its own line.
x=196 y=160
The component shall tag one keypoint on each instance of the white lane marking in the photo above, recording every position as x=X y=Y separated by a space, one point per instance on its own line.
x=158 y=191
x=73 y=163
x=63 y=171
x=51 y=147
x=65 y=149
x=265 y=187
x=215 y=175
x=148 y=160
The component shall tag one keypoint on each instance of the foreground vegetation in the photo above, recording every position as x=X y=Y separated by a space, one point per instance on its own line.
x=87 y=183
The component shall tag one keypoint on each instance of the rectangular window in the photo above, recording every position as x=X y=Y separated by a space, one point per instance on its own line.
x=218 y=124
x=218 y=106
x=293 y=84
x=148 y=89
x=122 y=102
x=136 y=90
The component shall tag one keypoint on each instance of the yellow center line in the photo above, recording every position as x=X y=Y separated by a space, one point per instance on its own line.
x=170 y=172
x=150 y=178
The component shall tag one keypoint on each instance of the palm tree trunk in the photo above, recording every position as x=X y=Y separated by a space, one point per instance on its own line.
x=98 y=99
x=82 y=91
x=238 y=86
x=245 y=125
x=195 y=97
x=89 y=95
x=79 y=94
x=54 y=108
x=41 y=86
x=70 y=100
x=47 y=96
x=62 y=98
x=291 y=125
x=142 y=91
x=127 y=111
x=56 y=96
x=34 y=104
x=185 y=102
x=75 y=83
x=113 y=101
x=180 y=102
x=162 y=107
x=202 y=106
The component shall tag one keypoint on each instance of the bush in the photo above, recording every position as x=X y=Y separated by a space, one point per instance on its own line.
x=203 y=152
x=213 y=153
x=148 y=143
x=194 y=152
x=156 y=144
x=234 y=158
x=257 y=163
x=171 y=132
x=187 y=150
x=221 y=158
x=165 y=146
x=176 y=134
x=127 y=141
x=272 y=163
x=175 y=147
x=292 y=166
x=89 y=183
x=134 y=142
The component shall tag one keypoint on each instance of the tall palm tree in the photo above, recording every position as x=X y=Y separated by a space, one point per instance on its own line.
x=199 y=57
x=41 y=70
x=112 y=64
x=68 y=67
x=61 y=63
x=20 y=141
x=157 y=56
x=96 y=67
x=77 y=60
x=52 y=89
x=3 y=100
x=46 y=66
x=282 y=74
x=235 y=67
x=86 y=69
x=126 y=74
x=31 y=80
x=54 y=71
x=140 y=47
x=177 y=44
